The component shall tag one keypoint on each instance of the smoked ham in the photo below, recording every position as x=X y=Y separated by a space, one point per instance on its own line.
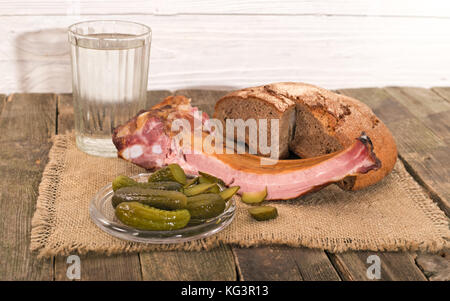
x=148 y=141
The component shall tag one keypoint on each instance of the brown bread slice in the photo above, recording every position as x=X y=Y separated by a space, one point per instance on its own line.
x=252 y=103
x=325 y=122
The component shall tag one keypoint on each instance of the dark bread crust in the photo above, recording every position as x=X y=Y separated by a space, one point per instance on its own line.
x=342 y=120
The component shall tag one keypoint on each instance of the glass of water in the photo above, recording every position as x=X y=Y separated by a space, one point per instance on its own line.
x=109 y=79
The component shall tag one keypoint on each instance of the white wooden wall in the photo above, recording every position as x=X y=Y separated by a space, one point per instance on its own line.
x=238 y=43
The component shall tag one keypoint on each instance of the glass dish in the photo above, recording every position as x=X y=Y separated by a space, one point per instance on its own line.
x=102 y=214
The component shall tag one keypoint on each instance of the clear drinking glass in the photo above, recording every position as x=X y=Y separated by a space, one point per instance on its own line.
x=109 y=79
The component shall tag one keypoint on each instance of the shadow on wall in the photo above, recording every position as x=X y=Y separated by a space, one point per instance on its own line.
x=44 y=61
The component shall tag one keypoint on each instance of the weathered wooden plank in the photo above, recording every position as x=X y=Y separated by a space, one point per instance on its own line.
x=120 y=267
x=100 y=267
x=420 y=102
x=266 y=263
x=444 y=92
x=27 y=122
x=420 y=145
x=284 y=263
x=216 y=264
x=393 y=266
x=428 y=106
x=435 y=266
x=314 y=265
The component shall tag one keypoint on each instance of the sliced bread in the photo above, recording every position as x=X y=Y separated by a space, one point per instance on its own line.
x=324 y=122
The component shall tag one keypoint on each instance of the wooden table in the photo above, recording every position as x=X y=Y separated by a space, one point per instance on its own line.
x=419 y=119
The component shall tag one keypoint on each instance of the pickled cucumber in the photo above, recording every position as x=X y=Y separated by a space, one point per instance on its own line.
x=124 y=181
x=207 y=178
x=162 y=199
x=214 y=189
x=204 y=206
x=229 y=192
x=254 y=197
x=172 y=172
x=197 y=189
x=144 y=217
x=191 y=182
x=263 y=213
x=203 y=180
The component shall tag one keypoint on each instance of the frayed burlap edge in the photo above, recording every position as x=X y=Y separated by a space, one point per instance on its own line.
x=44 y=219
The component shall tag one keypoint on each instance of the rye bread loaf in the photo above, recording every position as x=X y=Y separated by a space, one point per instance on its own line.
x=324 y=122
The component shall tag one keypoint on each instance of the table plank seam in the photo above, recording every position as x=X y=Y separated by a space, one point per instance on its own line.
x=436 y=91
x=428 y=190
x=299 y=270
x=421 y=269
x=328 y=254
x=339 y=267
x=235 y=262
x=236 y=265
x=140 y=265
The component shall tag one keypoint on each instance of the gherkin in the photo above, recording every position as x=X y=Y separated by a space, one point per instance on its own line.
x=144 y=217
x=124 y=181
x=162 y=199
x=263 y=213
x=204 y=206
x=172 y=172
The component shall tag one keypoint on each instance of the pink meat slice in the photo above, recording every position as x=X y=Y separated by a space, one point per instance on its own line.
x=147 y=141
x=289 y=178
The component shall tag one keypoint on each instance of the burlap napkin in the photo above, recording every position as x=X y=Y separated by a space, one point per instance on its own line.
x=395 y=214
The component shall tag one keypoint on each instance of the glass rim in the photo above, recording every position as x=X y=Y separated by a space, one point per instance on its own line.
x=148 y=30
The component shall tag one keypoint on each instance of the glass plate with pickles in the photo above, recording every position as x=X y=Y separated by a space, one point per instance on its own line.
x=166 y=206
